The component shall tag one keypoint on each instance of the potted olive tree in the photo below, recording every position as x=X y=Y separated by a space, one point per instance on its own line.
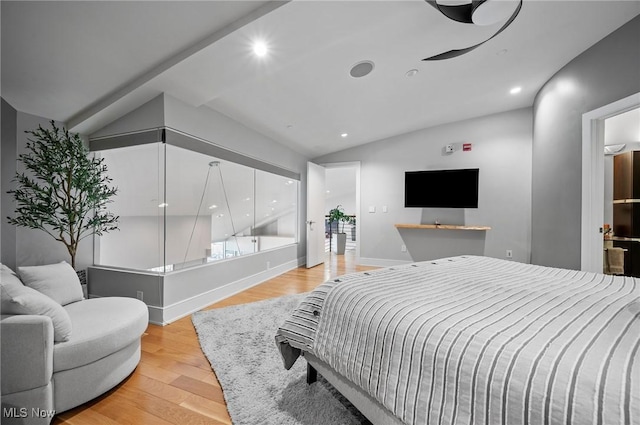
x=64 y=191
x=338 y=216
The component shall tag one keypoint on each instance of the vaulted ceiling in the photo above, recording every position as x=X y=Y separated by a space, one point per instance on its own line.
x=87 y=63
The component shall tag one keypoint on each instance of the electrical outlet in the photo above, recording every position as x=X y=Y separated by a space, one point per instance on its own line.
x=403 y=248
x=268 y=265
x=509 y=253
x=140 y=295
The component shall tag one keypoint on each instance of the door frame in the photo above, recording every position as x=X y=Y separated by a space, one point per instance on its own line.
x=593 y=179
x=314 y=249
x=357 y=166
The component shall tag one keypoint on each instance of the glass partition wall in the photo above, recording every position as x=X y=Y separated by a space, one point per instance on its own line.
x=180 y=208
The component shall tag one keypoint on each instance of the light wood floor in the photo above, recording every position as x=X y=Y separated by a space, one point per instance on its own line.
x=174 y=383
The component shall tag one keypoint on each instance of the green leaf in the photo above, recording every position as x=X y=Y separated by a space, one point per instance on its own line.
x=64 y=189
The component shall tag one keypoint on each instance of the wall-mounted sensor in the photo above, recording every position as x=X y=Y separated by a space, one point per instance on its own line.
x=448 y=149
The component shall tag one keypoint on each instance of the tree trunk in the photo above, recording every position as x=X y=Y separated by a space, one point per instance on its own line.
x=72 y=252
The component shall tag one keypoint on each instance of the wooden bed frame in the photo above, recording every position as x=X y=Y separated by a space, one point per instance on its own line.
x=367 y=405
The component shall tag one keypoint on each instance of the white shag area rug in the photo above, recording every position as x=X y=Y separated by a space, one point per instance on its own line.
x=239 y=343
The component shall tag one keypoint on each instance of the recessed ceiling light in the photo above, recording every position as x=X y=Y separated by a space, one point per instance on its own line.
x=515 y=90
x=163 y=205
x=328 y=191
x=411 y=73
x=344 y=135
x=213 y=207
x=260 y=48
x=361 y=69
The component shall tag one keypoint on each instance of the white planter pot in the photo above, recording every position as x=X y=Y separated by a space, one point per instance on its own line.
x=341 y=242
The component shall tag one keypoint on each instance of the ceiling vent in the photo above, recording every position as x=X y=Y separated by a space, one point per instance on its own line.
x=361 y=69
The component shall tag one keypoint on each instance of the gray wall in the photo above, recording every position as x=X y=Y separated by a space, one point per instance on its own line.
x=148 y=116
x=8 y=170
x=606 y=72
x=22 y=246
x=501 y=150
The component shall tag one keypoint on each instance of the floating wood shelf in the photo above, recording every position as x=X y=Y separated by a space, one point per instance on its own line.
x=441 y=226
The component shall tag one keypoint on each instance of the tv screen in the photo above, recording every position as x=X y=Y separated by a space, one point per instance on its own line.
x=441 y=188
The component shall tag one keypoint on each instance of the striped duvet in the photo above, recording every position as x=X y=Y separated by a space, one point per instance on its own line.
x=475 y=340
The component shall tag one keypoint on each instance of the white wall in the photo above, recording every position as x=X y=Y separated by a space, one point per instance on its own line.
x=347 y=201
x=341 y=184
x=501 y=149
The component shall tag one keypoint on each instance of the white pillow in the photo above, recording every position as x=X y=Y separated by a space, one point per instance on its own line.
x=19 y=299
x=57 y=281
x=8 y=277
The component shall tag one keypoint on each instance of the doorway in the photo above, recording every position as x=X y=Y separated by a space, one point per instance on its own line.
x=593 y=179
x=342 y=185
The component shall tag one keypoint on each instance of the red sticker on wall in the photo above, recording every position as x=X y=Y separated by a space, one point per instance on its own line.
x=466 y=147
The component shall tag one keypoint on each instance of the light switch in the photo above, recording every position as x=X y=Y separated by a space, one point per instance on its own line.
x=372 y=209
x=385 y=209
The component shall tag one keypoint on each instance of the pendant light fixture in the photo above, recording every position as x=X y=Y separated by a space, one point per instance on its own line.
x=478 y=12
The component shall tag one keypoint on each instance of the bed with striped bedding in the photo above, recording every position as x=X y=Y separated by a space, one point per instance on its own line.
x=476 y=340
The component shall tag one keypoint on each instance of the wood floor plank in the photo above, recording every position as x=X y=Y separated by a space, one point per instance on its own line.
x=85 y=417
x=138 y=407
x=200 y=388
x=158 y=389
x=200 y=374
x=168 y=353
x=123 y=407
x=174 y=383
x=167 y=412
x=150 y=347
x=204 y=407
x=155 y=372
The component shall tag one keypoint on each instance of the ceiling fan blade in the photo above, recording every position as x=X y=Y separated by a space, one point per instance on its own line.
x=460 y=13
x=454 y=53
x=451 y=53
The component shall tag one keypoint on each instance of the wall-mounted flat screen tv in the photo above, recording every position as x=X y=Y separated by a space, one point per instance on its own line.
x=441 y=188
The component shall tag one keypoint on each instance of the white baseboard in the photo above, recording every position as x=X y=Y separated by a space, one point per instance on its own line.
x=380 y=262
x=168 y=314
x=155 y=315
